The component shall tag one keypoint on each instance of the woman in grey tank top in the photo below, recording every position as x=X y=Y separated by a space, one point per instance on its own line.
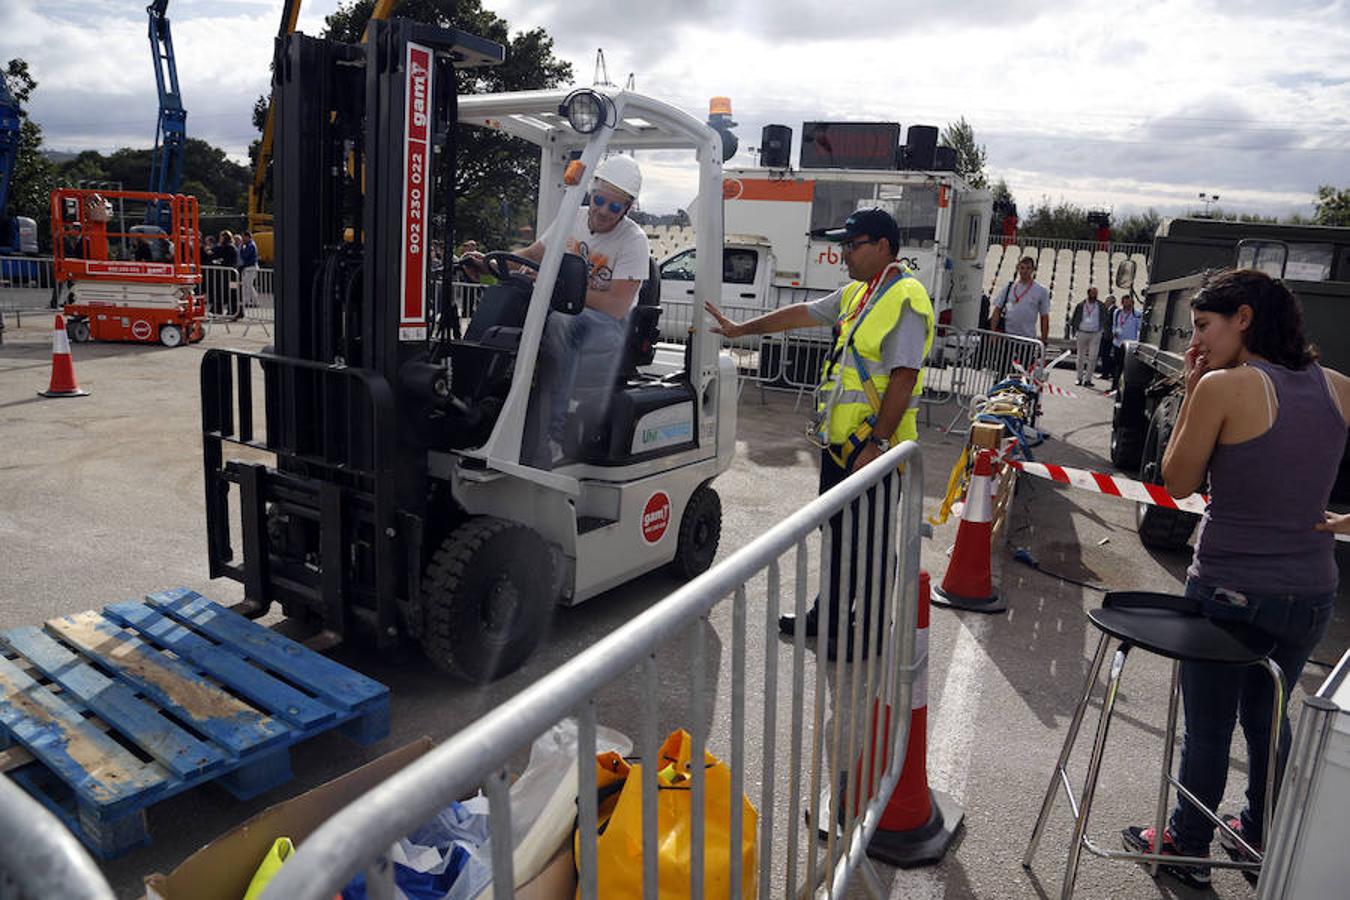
x=1266 y=427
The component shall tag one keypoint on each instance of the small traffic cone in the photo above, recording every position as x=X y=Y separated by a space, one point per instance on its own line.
x=969 y=582
x=63 y=370
x=918 y=823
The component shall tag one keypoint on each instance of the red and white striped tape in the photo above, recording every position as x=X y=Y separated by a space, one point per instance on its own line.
x=1112 y=486
x=1044 y=384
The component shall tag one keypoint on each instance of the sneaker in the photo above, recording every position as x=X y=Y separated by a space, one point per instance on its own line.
x=1234 y=849
x=556 y=454
x=1140 y=840
x=787 y=624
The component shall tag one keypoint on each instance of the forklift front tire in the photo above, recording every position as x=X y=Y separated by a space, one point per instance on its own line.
x=78 y=329
x=488 y=595
x=700 y=532
x=170 y=335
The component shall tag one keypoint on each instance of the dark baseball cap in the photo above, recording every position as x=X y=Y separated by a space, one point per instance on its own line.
x=873 y=222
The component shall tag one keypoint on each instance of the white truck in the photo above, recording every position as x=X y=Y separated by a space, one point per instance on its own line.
x=770 y=258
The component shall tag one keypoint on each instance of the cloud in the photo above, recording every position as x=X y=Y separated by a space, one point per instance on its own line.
x=1153 y=101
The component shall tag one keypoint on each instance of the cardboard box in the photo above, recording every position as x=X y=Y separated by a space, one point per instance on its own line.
x=223 y=868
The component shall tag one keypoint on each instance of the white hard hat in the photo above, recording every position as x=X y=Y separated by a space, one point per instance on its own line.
x=623 y=173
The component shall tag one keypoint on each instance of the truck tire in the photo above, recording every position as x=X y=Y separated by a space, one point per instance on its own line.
x=1129 y=421
x=1160 y=528
x=700 y=532
x=487 y=595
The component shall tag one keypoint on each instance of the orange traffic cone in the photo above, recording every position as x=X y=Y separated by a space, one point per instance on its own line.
x=969 y=583
x=63 y=370
x=918 y=823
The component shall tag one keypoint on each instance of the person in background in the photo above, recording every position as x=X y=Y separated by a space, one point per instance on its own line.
x=1265 y=426
x=1086 y=325
x=1125 y=327
x=1022 y=304
x=226 y=255
x=1105 y=352
x=248 y=270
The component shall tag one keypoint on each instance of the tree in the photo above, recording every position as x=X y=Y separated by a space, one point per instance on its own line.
x=970 y=156
x=1332 y=207
x=1138 y=228
x=1063 y=220
x=30 y=185
x=496 y=176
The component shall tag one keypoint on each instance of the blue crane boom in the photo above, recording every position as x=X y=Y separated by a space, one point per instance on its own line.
x=166 y=168
x=10 y=128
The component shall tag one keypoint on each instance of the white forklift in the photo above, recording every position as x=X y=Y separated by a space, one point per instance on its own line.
x=398 y=505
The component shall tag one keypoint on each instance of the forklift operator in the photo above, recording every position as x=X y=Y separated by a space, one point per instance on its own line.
x=616 y=253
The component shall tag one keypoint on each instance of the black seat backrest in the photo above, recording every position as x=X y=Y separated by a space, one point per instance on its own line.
x=650 y=292
x=644 y=328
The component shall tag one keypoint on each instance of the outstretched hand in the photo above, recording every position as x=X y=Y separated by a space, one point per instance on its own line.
x=1337 y=523
x=724 y=326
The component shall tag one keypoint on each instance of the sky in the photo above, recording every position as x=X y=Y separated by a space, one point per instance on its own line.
x=1122 y=106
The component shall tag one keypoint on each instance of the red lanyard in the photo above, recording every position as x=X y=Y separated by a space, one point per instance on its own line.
x=867 y=295
x=1017 y=298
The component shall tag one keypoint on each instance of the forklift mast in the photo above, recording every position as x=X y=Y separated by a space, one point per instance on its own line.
x=364 y=174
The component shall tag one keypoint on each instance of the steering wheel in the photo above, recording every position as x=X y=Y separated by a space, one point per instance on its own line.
x=496 y=262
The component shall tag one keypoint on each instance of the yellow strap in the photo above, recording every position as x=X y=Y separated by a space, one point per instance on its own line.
x=955 y=488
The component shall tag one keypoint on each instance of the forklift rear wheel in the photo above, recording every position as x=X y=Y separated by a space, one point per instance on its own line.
x=78 y=329
x=488 y=593
x=700 y=532
x=170 y=335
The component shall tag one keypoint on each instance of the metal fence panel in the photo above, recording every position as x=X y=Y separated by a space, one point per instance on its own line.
x=851 y=775
x=39 y=857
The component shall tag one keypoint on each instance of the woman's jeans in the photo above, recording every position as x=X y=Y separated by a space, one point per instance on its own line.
x=1217 y=696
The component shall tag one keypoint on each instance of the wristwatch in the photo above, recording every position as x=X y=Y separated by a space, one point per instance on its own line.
x=882 y=443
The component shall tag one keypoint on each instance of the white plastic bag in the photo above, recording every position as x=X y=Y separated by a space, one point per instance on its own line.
x=544 y=798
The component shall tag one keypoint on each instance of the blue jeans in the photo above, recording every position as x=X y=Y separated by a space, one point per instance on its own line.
x=1218 y=696
x=586 y=346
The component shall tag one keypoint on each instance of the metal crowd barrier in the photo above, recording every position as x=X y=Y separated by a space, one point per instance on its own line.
x=824 y=758
x=39 y=857
x=26 y=284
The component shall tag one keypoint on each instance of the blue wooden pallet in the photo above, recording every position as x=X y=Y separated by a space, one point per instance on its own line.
x=126 y=707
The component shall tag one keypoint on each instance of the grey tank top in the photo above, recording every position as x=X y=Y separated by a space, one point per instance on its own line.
x=1266 y=494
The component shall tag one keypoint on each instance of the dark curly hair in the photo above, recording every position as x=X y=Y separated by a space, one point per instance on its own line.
x=1276 y=333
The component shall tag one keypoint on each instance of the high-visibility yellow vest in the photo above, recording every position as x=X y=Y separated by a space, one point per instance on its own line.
x=856 y=358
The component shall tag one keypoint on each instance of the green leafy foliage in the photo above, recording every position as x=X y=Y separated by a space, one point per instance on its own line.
x=1332 y=206
x=31 y=183
x=496 y=176
x=970 y=156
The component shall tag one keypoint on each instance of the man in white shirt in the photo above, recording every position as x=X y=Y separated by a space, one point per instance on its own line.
x=617 y=256
x=1023 y=303
x=1086 y=324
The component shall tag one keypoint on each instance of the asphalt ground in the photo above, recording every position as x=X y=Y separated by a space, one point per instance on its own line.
x=101 y=500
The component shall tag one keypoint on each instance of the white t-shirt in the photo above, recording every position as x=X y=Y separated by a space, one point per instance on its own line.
x=620 y=254
x=1022 y=306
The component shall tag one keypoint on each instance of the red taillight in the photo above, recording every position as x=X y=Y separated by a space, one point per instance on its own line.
x=945 y=317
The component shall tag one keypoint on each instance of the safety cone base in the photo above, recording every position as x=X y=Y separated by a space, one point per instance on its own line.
x=994 y=603
x=922 y=846
x=75 y=393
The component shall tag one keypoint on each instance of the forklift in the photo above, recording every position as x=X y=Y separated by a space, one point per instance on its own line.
x=384 y=490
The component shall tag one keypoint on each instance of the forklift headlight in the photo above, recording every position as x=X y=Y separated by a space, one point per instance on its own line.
x=584 y=109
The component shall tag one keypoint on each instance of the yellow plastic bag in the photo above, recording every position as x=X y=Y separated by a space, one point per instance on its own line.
x=619 y=846
x=280 y=851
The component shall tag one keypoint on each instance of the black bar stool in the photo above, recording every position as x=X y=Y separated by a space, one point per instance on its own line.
x=1173 y=627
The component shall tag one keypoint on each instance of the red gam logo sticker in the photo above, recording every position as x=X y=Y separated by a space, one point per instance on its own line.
x=731 y=188
x=655 y=517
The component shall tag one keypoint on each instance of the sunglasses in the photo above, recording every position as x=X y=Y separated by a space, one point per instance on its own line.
x=852 y=244
x=599 y=201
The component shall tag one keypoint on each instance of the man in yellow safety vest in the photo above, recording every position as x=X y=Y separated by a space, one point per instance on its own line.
x=883 y=325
